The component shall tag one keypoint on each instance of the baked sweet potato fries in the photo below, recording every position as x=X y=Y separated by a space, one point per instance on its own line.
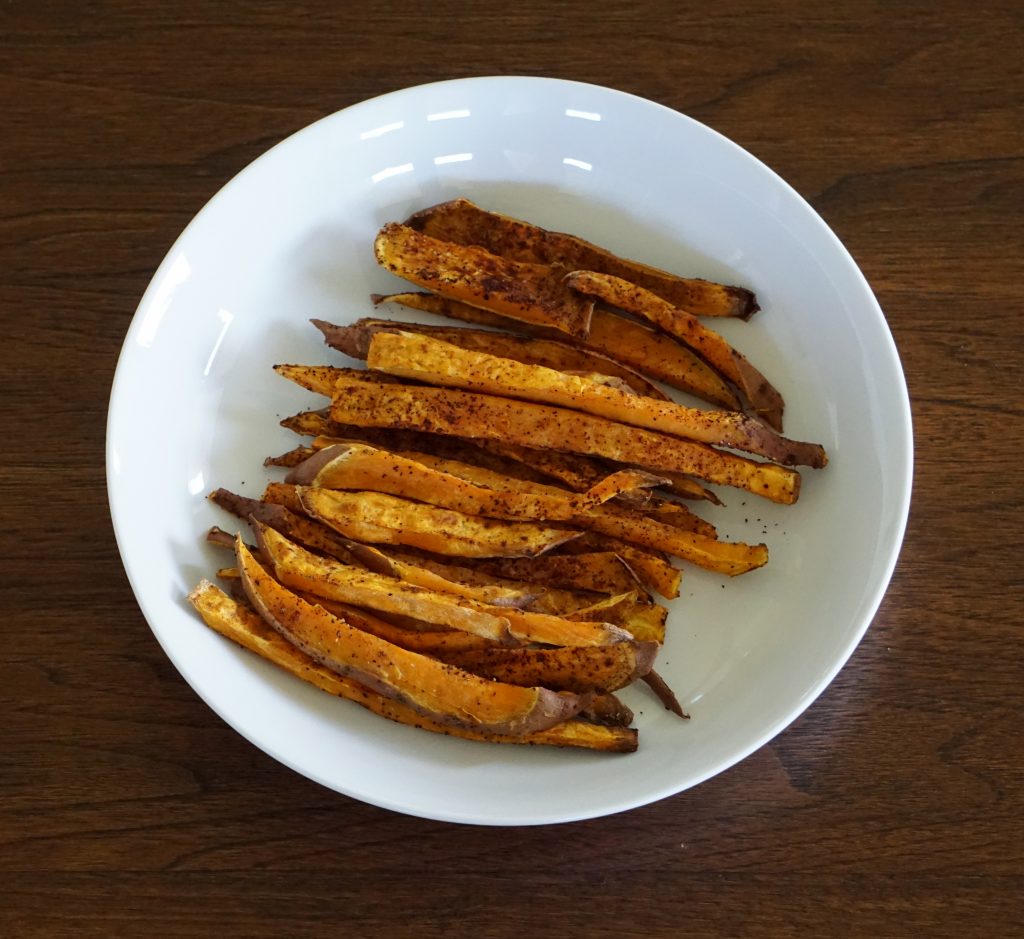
x=471 y=537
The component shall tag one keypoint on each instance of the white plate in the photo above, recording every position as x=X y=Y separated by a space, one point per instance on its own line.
x=195 y=405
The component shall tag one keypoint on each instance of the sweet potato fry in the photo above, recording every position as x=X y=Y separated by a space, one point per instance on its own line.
x=465 y=223
x=316 y=378
x=646 y=531
x=659 y=356
x=463 y=570
x=671 y=513
x=679 y=516
x=496 y=476
x=359 y=466
x=581 y=472
x=320 y=379
x=764 y=399
x=604 y=709
x=547 y=599
x=423 y=639
x=445 y=694
x=377 y=471
x=531 y=292
x=645 y=621
x=665 y=694
x=293 y=525
x=243 y=626
x=579 y=669
x=633 y=344
x=469 y=414
x=575 y=471
x=290 y=458
x=489 y=454
x=319 y=537
x=685 y=488
x=598 y=571
x=653 y=571
x=492 y=594
x=354 y=341
x=446 y=643
x=301 y=570
x=642 y=619
x=437 y=521
x=317 y=423
x=428 y=359
x=221 y=538
x=284 y=494
x=377 y=518
x=723 y=557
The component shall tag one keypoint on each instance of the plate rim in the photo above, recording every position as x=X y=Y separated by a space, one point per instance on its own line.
x=904 y=427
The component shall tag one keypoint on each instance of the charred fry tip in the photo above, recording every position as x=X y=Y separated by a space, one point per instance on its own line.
x=665 y=694
x=746 y=303
x=220 y=537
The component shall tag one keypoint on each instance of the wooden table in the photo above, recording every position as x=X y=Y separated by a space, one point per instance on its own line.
x=894 y=806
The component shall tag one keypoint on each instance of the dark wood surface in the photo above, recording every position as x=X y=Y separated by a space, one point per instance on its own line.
x=894 y=806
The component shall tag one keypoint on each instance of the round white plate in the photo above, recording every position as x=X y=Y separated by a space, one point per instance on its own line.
x=195 y=405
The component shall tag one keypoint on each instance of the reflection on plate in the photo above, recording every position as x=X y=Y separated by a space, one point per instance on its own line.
x=194 y=400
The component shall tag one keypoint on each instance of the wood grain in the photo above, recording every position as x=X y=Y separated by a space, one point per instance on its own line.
x=894 y=806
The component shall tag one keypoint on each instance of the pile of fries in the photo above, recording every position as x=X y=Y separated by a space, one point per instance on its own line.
x=471 y=540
